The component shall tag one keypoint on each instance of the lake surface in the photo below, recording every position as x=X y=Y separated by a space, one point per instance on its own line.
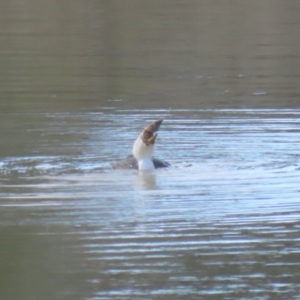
x=222 y=222
x=80 y=80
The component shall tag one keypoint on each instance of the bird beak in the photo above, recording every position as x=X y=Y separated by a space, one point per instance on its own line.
x=154 y=126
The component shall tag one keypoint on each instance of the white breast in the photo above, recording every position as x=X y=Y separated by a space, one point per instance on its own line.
x=143 y=154
x=146 y=164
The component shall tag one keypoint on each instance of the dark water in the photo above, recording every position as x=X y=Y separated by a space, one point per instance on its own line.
x=79 y=80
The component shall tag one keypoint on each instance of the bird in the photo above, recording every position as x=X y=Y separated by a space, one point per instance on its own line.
x=143 y=150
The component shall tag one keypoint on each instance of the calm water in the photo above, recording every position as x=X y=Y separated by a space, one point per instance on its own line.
x=80 y=80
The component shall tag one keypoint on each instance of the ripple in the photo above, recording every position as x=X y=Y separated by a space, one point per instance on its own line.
x=225 y=216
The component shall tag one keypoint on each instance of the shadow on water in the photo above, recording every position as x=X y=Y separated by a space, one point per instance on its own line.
x=80 y=80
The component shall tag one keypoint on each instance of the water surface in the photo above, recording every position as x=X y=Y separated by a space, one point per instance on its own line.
x=79 y=80
x=222 y=222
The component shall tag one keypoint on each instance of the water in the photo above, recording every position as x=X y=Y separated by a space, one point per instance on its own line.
x=78 y=83
x=222 y=222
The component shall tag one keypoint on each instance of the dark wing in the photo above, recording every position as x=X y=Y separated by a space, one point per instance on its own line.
x=127 y=163
x=160 y=163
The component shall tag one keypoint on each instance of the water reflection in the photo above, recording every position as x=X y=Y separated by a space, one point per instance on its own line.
x=177 y=57
x=145 y=180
